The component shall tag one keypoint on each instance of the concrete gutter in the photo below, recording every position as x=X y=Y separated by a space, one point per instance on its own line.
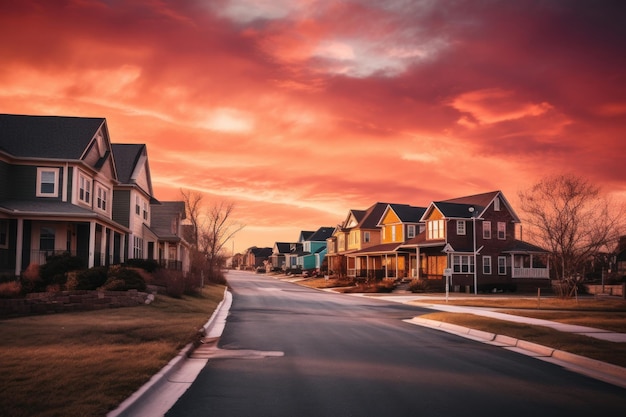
x=603 y=371
x=157 y=395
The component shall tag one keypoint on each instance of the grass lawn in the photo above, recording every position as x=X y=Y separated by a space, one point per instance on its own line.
x=87 y=363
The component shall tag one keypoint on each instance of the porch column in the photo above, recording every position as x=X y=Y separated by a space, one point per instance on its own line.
x=92 y=243
x=417 y=262
x=397 y=265
x=19 y=244
x=111 y=246
x=123 y=248
x=103 y=246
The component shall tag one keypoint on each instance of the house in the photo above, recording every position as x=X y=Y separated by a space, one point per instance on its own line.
x=473 y=240
x=173 y=251
x=132 y=200
x=397 y=224
x=337 y=243
x=620 y=259
x=314 y=249
x=58 y=176
x=358 y=231
x=256 y=257
x=279 y=251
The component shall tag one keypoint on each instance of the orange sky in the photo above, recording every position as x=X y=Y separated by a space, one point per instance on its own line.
x=299 y=110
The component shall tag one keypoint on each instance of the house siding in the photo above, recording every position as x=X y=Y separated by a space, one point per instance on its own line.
x=121 y=206
x=4 y=173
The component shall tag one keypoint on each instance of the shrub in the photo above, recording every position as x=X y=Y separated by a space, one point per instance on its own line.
x=10 y=289
x=31 y=281
x=148 y=265
x=124 y=279
x=418 y=286
x=56 y=267
x=90 y=279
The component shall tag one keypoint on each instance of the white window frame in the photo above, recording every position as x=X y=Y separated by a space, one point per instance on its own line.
x=486 y=229
x=487 y=265
x=501 y=230
x=40 y=173
x=145 y=210
x=366 y=237
x=85 y=186
x=102 y=197
x=463 y=264
x=436 y=229
x=137 y=247
x=393 y=232
x=410 y=231
x=501 y=265
x=137 y=206
x=496 y=204
x=461 y=227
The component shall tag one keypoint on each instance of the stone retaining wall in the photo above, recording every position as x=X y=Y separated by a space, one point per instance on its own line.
x=66 y=301
x=607 y=290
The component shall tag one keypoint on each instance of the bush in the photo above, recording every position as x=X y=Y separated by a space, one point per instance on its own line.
x=418 y=286
x=124 y=279
x=89 y=279
x=54 y=271
x=148 y=265
x=31 y=281
x=10 y=289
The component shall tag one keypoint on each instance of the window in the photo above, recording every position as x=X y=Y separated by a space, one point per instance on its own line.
x=501 y=230
x=435 y=229
x=487 y=265
x=101 y=198
x=501 y=265
x=393 y=233
x=84 y=191
x=47 y=182
x=486 y=230
x=366 y=237
x=460 y=227
x=4 y=233
x=46 y=239
x=496 y=204
x=410 y=231
x=463 y=263
x=145 y=210
x=137 y=247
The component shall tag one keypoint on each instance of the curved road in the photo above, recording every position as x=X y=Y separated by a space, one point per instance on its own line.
x=293 y=351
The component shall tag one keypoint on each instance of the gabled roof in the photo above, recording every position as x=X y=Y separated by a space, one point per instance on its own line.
x=126 y=158
x=161 y=216
x=304 y=235
x=261 y=252
x=23 y=136
x=282 y=247
x=372 y=216
x=519 y=246
x=321 y=234
x=405 y=212
x=469 y=206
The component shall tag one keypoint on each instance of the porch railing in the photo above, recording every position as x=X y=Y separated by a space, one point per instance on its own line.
x=531 y=273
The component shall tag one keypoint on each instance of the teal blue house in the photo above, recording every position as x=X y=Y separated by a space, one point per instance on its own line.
x=314 y=249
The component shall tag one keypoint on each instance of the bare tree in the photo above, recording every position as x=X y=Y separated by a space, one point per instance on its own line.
x=570 y=217
x=212 y=228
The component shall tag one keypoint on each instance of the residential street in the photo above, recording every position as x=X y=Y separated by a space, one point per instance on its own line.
x=287 y=350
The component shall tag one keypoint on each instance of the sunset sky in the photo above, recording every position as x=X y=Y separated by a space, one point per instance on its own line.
x=300 y=110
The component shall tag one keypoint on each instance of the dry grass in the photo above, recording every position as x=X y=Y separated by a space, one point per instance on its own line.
x=85 y=364
x=544 y=303
x=581 y=345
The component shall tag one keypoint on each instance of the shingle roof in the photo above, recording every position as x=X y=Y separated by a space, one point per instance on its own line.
x=161 y=216
x=521 y=246
x=407 y=213
x=372 y=216
x=52 y=137
x=321 y=234
x=482 y=200
x=126 y=156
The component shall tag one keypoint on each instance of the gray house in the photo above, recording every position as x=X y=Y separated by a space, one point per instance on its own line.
x=57 y=179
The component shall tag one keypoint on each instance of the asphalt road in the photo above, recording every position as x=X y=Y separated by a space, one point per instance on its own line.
x=293 y=351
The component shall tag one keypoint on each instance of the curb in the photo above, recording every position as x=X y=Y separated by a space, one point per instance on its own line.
x=162 y=376
x=606 y=372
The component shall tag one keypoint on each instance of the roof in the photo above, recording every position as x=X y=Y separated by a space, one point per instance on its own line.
x=372 y=216
x=406 y=213
x=304 y=235
x=261 y=252
x=524 y=247
x=282 y=247
x=321 y=234
x=64 y=137
x=161 y=216
x=378 y=249
x=456 y=210
x=126 y=158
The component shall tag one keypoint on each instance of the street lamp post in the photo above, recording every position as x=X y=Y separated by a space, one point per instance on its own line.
x=473 y=214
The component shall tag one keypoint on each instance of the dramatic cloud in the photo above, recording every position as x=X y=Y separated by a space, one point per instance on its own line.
x=301 y=110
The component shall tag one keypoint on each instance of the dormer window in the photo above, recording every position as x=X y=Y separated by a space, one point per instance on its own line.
x=410 y=231
x=496 y=204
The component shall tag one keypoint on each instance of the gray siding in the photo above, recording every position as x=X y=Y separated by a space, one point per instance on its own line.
x=121 y=207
